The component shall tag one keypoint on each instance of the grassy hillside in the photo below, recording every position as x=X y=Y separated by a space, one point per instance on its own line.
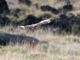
x=36 y=11
x=53 y=45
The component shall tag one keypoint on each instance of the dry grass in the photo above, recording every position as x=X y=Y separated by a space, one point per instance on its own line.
x=57 y=47
x=32 y=10
x=54 y=47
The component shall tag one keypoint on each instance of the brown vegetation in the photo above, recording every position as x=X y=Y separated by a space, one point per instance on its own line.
x=58 y=40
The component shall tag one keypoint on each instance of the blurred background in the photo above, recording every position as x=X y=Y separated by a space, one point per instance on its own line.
x=57 y=40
